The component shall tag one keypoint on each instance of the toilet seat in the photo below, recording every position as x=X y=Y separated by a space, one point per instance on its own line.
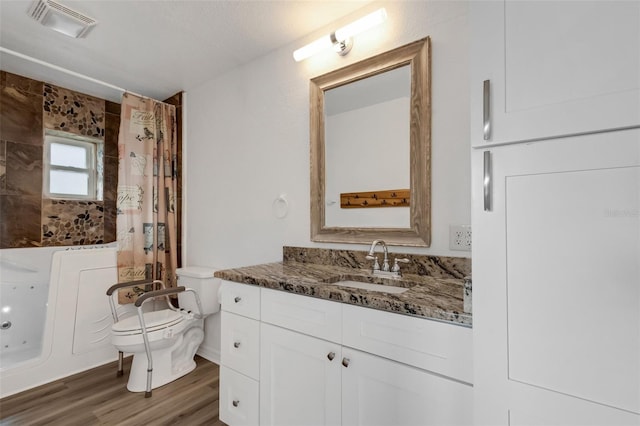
x=155 y=320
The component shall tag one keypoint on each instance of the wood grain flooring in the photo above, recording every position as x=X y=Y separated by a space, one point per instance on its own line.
x=98 y=397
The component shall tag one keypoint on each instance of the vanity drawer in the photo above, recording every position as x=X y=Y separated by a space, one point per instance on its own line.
x=240 y=344
x=241 y=299
x=315 y=317
x=239 y=398
x=431 y=345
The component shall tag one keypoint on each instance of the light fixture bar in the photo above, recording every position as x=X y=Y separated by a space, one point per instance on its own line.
x=361 y=25
x=340 y=39
x=312 y=48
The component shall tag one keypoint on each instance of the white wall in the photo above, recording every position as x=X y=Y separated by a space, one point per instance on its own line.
x=248 y=142
x=376 y=136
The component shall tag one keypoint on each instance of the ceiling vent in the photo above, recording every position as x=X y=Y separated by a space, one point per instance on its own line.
x=61 y=18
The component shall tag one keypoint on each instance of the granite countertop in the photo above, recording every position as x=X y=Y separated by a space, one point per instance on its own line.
x=428 y=297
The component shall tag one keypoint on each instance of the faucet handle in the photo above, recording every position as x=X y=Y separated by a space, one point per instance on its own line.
x=396 y=267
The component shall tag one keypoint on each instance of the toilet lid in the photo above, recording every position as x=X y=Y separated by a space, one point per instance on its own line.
x=152 y=320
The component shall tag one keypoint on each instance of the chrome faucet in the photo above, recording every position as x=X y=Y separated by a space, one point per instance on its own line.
x=372 y=256
x=386 y=271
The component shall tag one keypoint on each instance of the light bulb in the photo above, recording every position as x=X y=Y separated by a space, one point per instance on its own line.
x=362 y=24
x=312 y=48
x=341 y=36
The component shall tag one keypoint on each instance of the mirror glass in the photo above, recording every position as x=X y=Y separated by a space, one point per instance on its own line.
x=370 y=126
x=367 y=146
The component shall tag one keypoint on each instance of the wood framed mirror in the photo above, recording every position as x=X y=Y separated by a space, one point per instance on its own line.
x=412 y=141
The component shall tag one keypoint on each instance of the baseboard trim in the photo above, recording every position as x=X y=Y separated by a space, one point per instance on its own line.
x=210 y=354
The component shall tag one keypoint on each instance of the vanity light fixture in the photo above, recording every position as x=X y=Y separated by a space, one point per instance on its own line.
x=341 y=39
x=61 y=18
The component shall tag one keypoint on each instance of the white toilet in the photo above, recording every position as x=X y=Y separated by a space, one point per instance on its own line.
x=174 y=336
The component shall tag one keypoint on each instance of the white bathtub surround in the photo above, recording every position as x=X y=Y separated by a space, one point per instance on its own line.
x=24 y=288
x=76 y=333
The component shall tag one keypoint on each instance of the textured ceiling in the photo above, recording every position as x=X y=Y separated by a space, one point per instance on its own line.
x=158 y=48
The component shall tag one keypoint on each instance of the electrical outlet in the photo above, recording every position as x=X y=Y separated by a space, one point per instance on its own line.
x=460 y=237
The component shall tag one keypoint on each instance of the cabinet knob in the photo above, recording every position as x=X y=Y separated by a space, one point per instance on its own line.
x=345 y=362
x=235 y=402
x=236 y=345
x=237 y=299
x=331 y=356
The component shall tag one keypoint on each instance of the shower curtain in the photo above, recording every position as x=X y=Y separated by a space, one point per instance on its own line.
x=147 y=177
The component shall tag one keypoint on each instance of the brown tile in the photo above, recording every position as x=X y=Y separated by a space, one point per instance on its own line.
x=178 y=102
x=112 y=128
x=179 y=231
x=72 y=222
x=175 y=99
x=19 y=221
x=73 y=112
x=109 y=221
x=20 y=116
x=24 y=169
x=3 y=167
x=110 y=178
x=112 y=108
x=21 y=83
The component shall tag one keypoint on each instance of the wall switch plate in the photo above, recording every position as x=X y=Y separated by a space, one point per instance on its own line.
x=460 y=237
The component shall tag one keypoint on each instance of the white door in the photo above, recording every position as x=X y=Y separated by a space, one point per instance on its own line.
x=299 y=379
x=556 y=277
x=378 y=391
x=554 y=68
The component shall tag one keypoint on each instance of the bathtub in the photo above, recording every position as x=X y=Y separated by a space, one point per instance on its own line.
x=55 y=318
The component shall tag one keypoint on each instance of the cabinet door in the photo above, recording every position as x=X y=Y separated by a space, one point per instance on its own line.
x=556 y=281
x=238 y=398
x=555 y=68
x=240 y=344
x=299 y=379
x=378 y=391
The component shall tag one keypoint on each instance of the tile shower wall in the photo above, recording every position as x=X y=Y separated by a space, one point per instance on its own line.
x=112 y=128
x=72 y=222
x=27 y=219
x=176 y=100
x=73 y=112
x=21 y=156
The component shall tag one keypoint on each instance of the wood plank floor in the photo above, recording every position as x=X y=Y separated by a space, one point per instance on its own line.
x=98 y=397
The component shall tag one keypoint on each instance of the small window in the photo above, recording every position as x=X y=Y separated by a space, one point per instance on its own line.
x=71 y=168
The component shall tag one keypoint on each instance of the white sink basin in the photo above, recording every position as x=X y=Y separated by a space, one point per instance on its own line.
x=372 y=287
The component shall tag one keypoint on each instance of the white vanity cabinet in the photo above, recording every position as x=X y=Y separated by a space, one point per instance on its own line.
x=300 y=379
x=402 y=370
x=378 y=391
x=553 y=68
x=326 y=363
x=556 y=274
x=240 y=354
x=300 y=360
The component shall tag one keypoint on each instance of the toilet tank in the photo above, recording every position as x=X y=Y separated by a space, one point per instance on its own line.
x=201 y=280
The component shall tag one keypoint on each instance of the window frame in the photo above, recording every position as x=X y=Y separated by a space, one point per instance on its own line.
x=92 y=150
